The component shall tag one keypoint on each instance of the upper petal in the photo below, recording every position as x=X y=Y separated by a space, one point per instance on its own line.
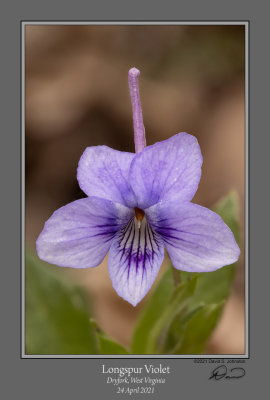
x=103 y=172
x=79 y=234
x=196 y=238
x=167 y=170
x=135 y=257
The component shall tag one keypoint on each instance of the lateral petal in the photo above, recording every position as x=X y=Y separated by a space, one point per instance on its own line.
x=103 y=172
x=196 y=238
x=79 y=234
x=135 y=257
x=166 y=170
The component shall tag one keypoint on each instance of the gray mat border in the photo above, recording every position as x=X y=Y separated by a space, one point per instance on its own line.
x=69 y=379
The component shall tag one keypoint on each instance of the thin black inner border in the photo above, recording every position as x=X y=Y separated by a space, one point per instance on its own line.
x=246 y=23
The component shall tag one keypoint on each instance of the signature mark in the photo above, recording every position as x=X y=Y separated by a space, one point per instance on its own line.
x=222 y=371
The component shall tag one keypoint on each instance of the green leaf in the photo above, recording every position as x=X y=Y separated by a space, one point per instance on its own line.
x=168 y=317
x=178 y=304
x=228 y=209
x=199 y=329
x=57 y=316
x=108 y=346
x=165 y=302
x=157 y=303
x=214 y=287
x=177 y=329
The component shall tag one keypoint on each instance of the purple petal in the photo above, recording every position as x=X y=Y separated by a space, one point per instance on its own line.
x=103 y=172
x=196 y=238
x=80 y=234
x=135 y=257
x=167 y=170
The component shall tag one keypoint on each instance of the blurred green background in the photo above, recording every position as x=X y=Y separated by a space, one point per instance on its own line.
x=192 y=80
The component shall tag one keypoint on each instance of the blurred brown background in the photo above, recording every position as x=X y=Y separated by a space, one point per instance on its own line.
x=192 y=80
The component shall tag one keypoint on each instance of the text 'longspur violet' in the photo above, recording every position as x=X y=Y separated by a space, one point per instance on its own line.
x=138 y=205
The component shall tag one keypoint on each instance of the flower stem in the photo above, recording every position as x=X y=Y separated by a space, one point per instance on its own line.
x=139 y=131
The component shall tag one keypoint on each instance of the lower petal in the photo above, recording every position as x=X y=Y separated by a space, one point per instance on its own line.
x=79 y=234
x=135 y=257
x=196 y=238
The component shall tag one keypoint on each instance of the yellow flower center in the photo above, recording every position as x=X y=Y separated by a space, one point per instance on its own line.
x=139 y=214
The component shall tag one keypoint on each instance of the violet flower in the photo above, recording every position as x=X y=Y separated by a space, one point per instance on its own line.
x=137 y=205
